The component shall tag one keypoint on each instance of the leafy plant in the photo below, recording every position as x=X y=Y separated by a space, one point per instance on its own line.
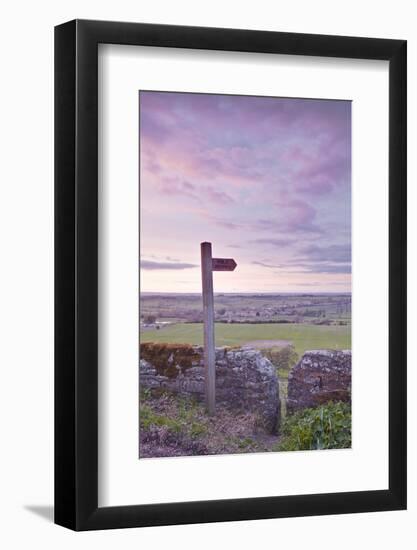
x=325 y=427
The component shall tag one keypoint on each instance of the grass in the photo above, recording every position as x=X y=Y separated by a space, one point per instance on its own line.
x=171 y=425
x=186 y=418
x=149 y=418
x=304 y=337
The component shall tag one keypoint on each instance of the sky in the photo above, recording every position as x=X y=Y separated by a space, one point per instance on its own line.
x=266 y=180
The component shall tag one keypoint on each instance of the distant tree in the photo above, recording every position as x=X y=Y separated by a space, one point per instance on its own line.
x=221 y=311
x=258 y=314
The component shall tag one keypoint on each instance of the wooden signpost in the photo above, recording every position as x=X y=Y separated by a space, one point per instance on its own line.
x=208 y=265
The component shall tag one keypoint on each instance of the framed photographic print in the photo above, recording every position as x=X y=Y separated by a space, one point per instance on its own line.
x=230 y=244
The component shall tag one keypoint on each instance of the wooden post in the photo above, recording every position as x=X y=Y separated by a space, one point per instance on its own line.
x=208 y=309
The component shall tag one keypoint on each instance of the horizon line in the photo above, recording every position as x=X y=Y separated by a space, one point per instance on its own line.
x=247 y=292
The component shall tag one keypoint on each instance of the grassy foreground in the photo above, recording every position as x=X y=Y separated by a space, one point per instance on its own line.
x=177 y=426
x=303 y=337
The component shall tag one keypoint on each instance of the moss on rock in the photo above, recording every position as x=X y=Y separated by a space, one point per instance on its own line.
x=170 y=360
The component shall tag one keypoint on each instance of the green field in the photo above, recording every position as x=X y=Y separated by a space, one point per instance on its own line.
x=304 y=337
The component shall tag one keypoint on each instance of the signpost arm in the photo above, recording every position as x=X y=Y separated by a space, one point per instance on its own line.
x=208 y=311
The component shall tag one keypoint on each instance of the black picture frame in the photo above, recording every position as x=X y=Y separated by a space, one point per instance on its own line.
x=76 y=272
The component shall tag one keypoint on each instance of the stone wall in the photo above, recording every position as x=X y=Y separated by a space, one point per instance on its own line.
x=245 y=380
x=319 y=377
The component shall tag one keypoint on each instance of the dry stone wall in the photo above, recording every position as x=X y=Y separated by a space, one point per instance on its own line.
x=245 y=379
x=319 y=377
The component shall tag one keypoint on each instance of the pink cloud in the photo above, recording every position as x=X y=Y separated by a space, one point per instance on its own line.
x=267 y=169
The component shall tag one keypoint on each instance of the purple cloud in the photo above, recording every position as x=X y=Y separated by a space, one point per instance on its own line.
x=275 y=171
x=263 y=264
x=244 y=138
x=286 y=226
x=148 y=264
x=173 y=185
x=274 y=242
x=327 y=268
x=336 y=253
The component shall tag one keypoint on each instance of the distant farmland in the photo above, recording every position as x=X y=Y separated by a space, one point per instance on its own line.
x=291 y=308
x=303 y=336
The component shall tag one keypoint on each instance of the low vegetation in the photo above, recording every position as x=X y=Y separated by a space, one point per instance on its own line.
x=176 y=426
x=325 y=427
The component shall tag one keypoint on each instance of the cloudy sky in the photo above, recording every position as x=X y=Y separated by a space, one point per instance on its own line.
x=266 y=180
